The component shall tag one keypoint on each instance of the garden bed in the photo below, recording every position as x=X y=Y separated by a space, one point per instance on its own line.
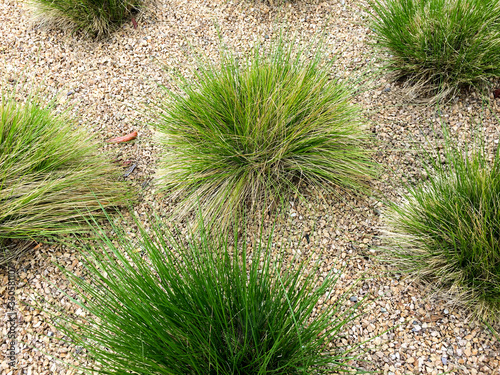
x=106 y=81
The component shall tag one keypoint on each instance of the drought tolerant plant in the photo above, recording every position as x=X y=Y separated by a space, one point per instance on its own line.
x=50 y=174
x=440 y=46
x=93 y=17
x=251 y=130
x=155 y=304
x=447 y=230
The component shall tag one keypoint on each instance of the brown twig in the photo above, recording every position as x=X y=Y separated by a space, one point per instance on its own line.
x=125 y=138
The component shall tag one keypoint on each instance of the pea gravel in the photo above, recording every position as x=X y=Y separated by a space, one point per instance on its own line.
x=106 y=84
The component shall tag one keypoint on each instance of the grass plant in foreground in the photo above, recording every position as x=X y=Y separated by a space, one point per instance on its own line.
x=156 y=305
x=49 y=174
x=439 y=46
x=252 y=131
x=92 y=17
x=447 y=230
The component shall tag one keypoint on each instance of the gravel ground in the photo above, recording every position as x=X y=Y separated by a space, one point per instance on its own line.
x=106 y=82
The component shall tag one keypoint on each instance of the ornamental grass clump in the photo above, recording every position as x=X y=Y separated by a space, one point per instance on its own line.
x=92 y=17
x=439 y=46
x=446 y=232
x=252 y=130
x=50 y=175
x=155 y=303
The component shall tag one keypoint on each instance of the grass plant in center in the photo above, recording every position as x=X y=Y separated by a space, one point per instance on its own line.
x=439 y=46
x=252 y=130
x=447 y=230
x=50 y=175
x=157 y=304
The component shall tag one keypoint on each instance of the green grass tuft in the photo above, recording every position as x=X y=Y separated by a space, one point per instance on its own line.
x=153 y=304
x=252 y=131
x=439 y=46
x=50 y=174
x=92 y=17
x=447 y=230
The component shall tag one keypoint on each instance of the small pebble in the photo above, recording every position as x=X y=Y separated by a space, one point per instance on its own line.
x=353 y=299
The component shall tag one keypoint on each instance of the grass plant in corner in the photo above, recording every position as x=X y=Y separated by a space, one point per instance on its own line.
x=92 y=17
x=156 y=303
x=50 y=174
x=439 y=46
x=252 y=130
x=446 y=231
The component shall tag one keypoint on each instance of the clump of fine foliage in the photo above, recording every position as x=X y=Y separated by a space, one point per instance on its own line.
x=50 y=175
x=92 y=17
x=251 y=131
x=447 y=230
x=153 y=304
x=439 y=46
